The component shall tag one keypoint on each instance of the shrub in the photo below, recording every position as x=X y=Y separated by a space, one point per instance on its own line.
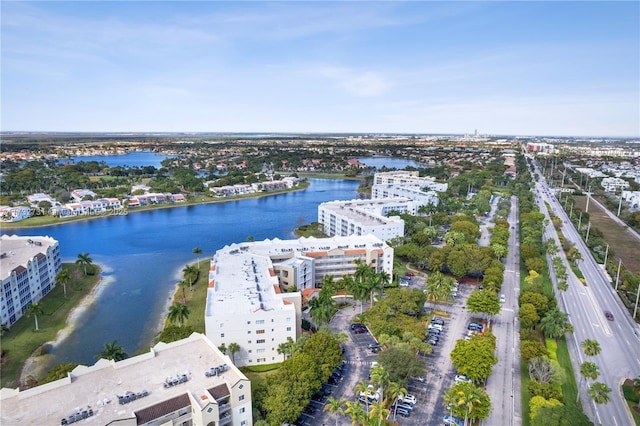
x=545 y=390
x=530 y=335
x=530 y=350
x=552 y=348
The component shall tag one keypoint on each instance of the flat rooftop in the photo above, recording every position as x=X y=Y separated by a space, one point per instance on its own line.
x=99 y=386
x=16 y=251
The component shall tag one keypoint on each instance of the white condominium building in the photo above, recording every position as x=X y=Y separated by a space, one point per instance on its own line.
x=362 y=217
x=187 y=382
x=408 y=178
x=407 y=184
x=28 y=268
x=247 y=302
x=613 y=184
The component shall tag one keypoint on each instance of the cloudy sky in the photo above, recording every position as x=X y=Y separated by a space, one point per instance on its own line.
x=520 y=68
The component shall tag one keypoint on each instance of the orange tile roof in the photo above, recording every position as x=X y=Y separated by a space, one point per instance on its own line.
x=272 y=272
x=211 y=283
x=277 y=289
x=316 y=253
x=357 y=251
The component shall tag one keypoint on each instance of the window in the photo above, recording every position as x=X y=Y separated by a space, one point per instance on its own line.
x=248 y=331
x=248 y=322
x=242 y=410
x=260 y=351
x=288 y=328
x=241 y=398
x=259 y=321
x=288 y=319
x=221 y=324
x=243 y=423
x=221 y=335
x=260 y=341
x=249 y=341
x=259 y=332
x=209 y=410
x=241 y=386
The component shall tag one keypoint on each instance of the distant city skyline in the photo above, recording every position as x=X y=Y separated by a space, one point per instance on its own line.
x=504 y=68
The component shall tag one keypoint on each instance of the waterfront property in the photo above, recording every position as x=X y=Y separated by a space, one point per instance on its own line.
x=248 y=302
x=28 y=268
x=421 y=190
x=184 y=382
x=361 y=217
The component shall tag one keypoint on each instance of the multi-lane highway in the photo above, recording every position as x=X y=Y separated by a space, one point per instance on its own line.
x=619 y=339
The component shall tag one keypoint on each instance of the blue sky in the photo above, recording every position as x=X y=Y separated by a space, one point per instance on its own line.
x=521 y=68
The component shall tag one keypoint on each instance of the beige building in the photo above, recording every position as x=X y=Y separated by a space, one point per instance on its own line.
x=187 y=382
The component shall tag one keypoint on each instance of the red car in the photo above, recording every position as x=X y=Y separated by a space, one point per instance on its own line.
x=608 y=315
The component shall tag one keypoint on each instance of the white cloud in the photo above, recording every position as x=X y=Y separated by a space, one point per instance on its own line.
x=357 y=82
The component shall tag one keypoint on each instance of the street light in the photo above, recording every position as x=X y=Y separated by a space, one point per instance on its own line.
x=618 y=275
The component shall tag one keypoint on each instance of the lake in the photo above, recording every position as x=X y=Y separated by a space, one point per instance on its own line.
x=131 y=159
x=389 y=162
x=143 y=253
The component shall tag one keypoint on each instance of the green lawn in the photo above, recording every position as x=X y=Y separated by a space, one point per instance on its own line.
x=22 y=339
x=524 y=377
x=569 y=388
x=632 y=401
x=196 y=298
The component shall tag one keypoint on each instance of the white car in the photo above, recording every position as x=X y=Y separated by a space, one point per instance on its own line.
x=407 y=398
x=462 y=378
x=502 y=298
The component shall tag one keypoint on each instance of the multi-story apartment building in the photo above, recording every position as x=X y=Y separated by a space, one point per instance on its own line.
x=248 y=302
x=613 y=184
x=28 y=268
x=407 y=184
x=408 y=178
x=362 y=217
x=187 y=382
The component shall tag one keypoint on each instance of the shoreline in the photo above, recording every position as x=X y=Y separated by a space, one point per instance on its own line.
x=37 y=365
x=15 y=225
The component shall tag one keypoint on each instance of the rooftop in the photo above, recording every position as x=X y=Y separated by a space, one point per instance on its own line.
x=17 y=251
x=100 y=385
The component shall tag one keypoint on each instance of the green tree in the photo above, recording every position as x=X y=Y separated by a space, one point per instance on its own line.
x=591 y=347
x=438 y=287
x=234 y=348
x=555 y=324
x=599 y=392
x=334 y=406
x=112 y=351
x=34 y=309
x=191 y=274
x=635 y=385
x=197 y=251
x=538 y=402
x=183 y=285
x=484 y=301
x=468 y=401
x=378 y=412
x=84 y=260
x=286 y=348
x=499 y=251
x=528 y=316
x=561 y=415
x=401 y=363
x=589 y=370
x=380 y=378
x=361 y=388
x=355 y=411
x=475 y=358
x=178 y=313
x=3 y=329
x=540 y=301
x=63 y=278
x=532 y=349
x=544 y=370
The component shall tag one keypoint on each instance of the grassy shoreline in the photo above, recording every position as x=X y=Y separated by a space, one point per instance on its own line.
x=41 y=221
x=22 y=342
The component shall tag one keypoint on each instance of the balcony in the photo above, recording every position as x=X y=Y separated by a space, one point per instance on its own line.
x=225 y=420
x=223 y=408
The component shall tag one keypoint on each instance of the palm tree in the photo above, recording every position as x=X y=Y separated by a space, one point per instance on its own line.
x=197 y=251
x=183 y=285
x=223 y=348
x=84 y=260
x=355 y=411
x=591 y=347
x=334 y=406
x=588 y=370
x=463 y=396
x=599 y=392
x=380 y=377
x=178 y=313
x=636 y=388
x=112 y=351
x=393 y=391
x=63 y=279
x=286 y=348
x=378 y=411
x=191 y=273
x=363 y=386
x=233 y=348
x=34 y=309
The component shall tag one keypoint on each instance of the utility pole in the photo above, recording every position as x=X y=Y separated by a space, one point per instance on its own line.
x=588 y=196
x=588 y=229
x=605 y=255
x=635 y=310
x=580 y=221
x=571 y=212
x=618 y=276
x=620 y=203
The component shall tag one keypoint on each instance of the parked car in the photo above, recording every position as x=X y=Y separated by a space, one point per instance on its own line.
x=502 y=298
x=407 y=398
x=462 y=378
x=608 y=315
x=356 y=325
x=452 y=421
x=373 y=345
x=360 y=330
x=403 y=412
x=437 y=321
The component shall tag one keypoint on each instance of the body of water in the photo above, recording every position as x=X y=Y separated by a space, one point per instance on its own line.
x=143 y=254
x=131 y=159
x=389 y=162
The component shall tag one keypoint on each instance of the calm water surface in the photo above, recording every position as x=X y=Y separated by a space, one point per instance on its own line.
x=131 y=159
x=143 y=253
x=389 y=162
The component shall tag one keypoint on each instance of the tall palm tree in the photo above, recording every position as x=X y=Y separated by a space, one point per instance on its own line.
x=393 y=391
x=378 y=411
x=112 y=351
x=286 y=348
x=233 y=348
x=599 y=392
x=363 y=386
x=588 y=370
x=355 y=411
x=197 y=251
x=334 y=406
x=591 y=347
x=463 y=396
x=178 y=313
x=380 y=377
x=190 y=273
x=63 y=278
x=84 y=260
x=183 y=284
x=34 y=309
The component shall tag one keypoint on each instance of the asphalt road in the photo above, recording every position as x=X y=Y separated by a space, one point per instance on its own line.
x=619 y=339
x=503 y=386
